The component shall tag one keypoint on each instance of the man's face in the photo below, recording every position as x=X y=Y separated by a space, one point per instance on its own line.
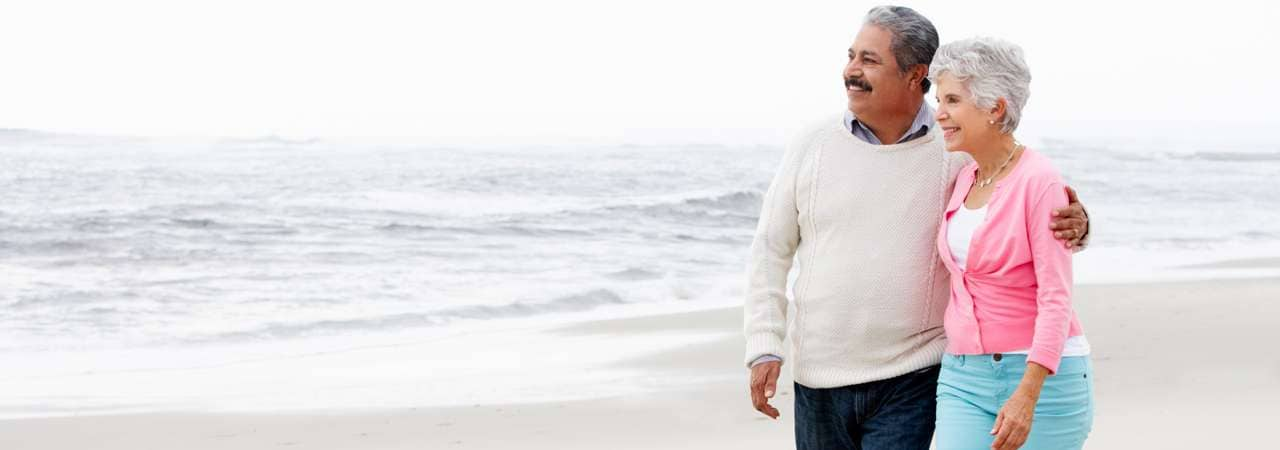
x=873 y=81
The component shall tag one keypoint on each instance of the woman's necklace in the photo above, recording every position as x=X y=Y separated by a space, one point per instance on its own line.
x=986 y=181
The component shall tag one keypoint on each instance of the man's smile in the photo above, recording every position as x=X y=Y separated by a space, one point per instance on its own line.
x=856 y=86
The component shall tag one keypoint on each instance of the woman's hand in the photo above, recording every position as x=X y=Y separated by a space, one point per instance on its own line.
x=1013 y=423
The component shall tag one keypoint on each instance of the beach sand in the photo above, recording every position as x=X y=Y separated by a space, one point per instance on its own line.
x=1178 y=365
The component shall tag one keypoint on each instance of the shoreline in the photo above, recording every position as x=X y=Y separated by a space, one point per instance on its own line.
x=1171 y=355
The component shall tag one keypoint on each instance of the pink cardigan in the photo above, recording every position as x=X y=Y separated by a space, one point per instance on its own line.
x=1015 y=290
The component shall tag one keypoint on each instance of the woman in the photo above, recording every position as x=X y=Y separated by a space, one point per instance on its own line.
x=1016 y=373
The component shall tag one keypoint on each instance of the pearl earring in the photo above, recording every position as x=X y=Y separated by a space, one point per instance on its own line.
x=992 y=122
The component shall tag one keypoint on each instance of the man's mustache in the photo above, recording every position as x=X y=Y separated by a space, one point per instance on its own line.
x=858 y=83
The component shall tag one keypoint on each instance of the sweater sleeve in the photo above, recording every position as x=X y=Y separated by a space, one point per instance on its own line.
x=776 y=238
x=1052 y=262
x=1084 y=240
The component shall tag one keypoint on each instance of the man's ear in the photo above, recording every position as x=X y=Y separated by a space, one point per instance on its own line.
x=917 y=75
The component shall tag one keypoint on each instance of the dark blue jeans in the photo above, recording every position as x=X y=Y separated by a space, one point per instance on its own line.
x=892 y=414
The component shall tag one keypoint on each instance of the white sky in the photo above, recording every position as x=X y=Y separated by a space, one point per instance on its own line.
x=522 y=71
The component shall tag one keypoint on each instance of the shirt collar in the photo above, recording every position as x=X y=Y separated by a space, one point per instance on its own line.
x=919 y=126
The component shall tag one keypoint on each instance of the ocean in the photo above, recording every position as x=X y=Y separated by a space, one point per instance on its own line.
x=121 y=243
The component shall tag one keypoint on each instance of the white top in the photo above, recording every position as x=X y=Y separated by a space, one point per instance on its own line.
x=859 y=222
x=960 y=228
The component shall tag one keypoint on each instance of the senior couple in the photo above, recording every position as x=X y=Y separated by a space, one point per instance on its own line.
x=934 y=259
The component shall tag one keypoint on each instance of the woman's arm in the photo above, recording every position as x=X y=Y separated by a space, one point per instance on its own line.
x=1052 y=263
x=1013 y=423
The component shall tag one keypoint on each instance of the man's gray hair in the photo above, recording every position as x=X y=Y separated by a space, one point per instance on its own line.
x=992 y=69
x=914 y=37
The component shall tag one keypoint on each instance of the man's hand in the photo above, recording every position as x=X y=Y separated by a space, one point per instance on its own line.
x=764 y=384
x=1070 y=223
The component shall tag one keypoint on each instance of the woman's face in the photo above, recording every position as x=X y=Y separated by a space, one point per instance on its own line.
x=965 y=127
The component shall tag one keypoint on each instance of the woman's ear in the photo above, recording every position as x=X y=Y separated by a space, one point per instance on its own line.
x=998 y=111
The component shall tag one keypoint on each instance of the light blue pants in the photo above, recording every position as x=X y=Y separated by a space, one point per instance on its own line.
x=972 y=388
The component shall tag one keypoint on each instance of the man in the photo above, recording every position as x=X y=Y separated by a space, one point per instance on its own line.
x=857 y=203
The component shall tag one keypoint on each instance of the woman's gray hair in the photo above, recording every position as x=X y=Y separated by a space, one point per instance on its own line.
x=991 y=68
x=914 y=37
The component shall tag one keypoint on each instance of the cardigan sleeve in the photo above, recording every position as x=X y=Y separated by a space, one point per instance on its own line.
x=1053 y=271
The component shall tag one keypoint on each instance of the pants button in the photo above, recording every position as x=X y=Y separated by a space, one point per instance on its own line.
x=997 y=357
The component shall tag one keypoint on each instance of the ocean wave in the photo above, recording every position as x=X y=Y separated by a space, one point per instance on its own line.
x=1069 y=150
x=254 y=222
x=714 y=239
x=1230 y=156
x=197 y=223
x=634 y=274
x=53 y=246
x=726 y=209
x=64 y=301
x=237 y=218
x=579 y=302
x=1259 y=235
x=732 y=209
x=438 y=232
x=732 y=201
x=267 y=141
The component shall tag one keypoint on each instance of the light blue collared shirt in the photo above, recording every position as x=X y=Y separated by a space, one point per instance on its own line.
x=919 y=126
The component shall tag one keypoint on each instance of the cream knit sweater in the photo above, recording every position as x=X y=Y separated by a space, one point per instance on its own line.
x=859 y=220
